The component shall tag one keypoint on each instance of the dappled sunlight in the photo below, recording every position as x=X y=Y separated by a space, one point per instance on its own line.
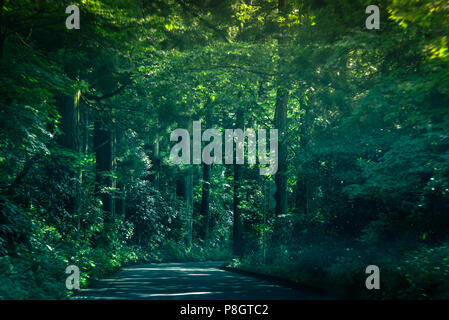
x=179 y=294
x=269 y=149
x=182 y=281
x=173 y=269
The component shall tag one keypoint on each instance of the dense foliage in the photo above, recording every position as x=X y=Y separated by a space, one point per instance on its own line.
x=363 y=173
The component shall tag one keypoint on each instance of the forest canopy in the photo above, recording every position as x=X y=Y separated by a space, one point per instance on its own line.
x=362 y=177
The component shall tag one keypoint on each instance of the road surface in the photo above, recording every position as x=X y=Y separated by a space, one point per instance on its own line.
x=191 y=281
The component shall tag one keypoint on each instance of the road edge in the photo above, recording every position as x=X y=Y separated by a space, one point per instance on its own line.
x=289 y=283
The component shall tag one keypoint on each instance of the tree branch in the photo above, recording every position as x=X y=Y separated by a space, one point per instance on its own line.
x=233 y=67
x=108 y=95
x=204 y=21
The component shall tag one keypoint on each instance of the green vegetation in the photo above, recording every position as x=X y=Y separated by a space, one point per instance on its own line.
x=362 y=115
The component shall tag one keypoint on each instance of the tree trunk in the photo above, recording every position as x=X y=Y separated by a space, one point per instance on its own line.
x=85 y=140
x=103 y=153
x=189 y=204
x=188 y=193
x=281 y=175
x=237 y=226
x=68 y=108
x=301 y=193
x=302 y=179
x=205 y=202
x=280 y=120
x=157 y=163
x=154 y=177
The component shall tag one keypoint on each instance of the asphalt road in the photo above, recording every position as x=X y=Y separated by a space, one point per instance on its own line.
x=191 y=281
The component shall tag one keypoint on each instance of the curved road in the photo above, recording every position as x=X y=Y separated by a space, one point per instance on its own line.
x=191 y=281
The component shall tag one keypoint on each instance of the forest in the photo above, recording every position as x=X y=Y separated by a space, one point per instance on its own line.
x=362 y=120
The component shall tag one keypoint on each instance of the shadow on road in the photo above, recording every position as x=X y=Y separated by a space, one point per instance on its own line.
x=192 y=281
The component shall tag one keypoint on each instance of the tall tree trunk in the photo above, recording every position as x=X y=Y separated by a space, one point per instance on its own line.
x=103 y=153
x=85 y=119
x=189 y=204
x=68 y=108
x=205 y=202
x=120 y=200
x=280 y=120
x=237 y=226
x=281 y=175
x=301 y=193
x=157 y=163
x=205 y=197
x=154 y=176
x=188 y=193
x=302 y=180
